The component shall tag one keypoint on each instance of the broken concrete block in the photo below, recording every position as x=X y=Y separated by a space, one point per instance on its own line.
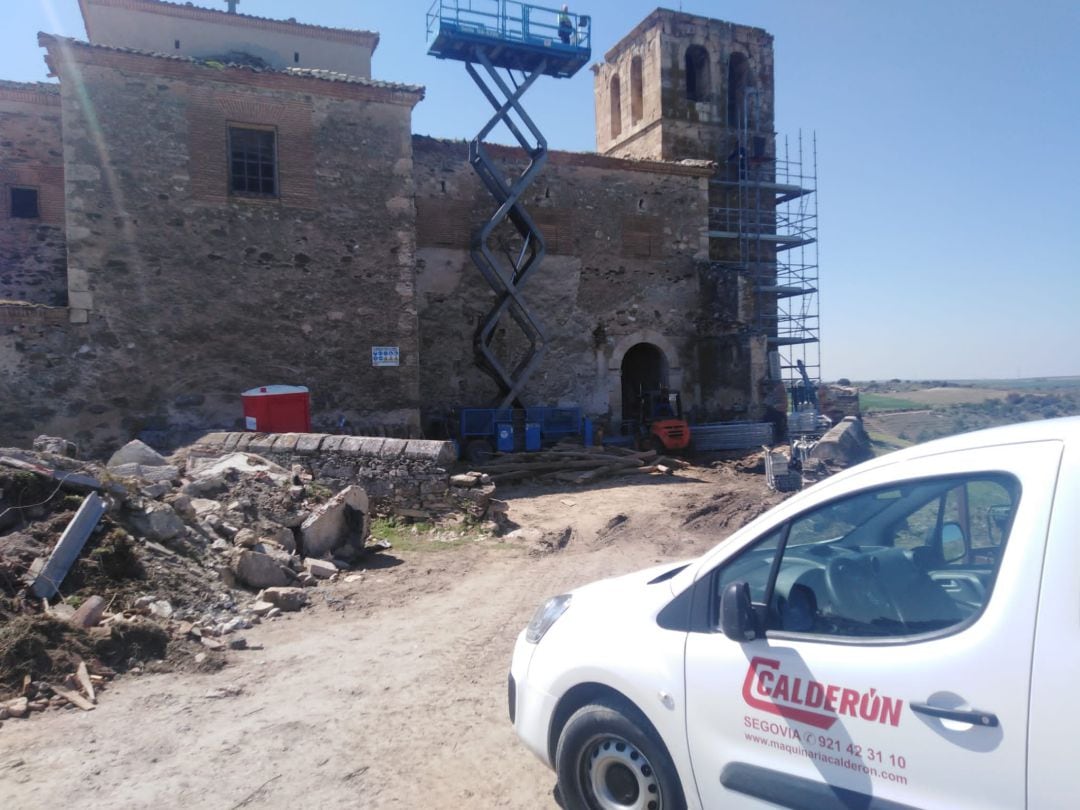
x=260 y=570
x=245 y=464
x=287 y=599
x=135 y=452
x=205 y=486
x=19 y=707
x=320 y=568
x=56 y=445
x=164 y=473
x=844 y=445
x=246 y=538
x=204 y=507
x=89 y=613
x=343 y=520
x=157 y=521
x=261 y=607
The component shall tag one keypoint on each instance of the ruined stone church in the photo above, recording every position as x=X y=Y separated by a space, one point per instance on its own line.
x=209 y=201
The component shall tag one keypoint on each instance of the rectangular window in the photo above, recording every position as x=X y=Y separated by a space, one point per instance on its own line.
x=253 y=161
x=24 y=203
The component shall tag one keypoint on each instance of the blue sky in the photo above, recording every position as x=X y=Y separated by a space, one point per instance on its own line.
x=948 y=139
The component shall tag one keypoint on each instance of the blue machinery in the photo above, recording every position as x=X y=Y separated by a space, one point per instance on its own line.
x=536 y=41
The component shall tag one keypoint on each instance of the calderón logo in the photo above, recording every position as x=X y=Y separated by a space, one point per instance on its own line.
x=816 y=704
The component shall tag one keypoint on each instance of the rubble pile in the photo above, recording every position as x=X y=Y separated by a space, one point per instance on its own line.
x=112 y=566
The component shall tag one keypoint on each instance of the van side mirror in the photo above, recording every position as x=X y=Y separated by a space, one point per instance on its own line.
x=953 y=542
x=737 y=618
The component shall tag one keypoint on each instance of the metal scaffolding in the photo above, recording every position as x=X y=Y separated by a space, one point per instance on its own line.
x=763 y=225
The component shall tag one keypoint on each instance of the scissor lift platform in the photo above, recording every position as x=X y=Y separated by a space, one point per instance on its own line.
x=510 y=35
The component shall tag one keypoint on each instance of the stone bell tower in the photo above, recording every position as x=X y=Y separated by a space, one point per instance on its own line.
x=681 y=86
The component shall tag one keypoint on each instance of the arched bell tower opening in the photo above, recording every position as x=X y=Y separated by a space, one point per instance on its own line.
x=644 y=368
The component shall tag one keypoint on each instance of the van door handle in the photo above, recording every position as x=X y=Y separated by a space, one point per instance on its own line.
x=975 y=717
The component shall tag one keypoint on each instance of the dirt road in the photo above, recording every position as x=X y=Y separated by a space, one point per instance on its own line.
x=390 y=693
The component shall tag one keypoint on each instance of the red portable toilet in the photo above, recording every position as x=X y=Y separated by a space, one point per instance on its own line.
x=277 y=409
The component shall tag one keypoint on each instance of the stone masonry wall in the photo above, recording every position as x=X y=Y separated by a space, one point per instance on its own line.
x=32 y=251
x=183 y=296
x=627 y=248
x=409 y=478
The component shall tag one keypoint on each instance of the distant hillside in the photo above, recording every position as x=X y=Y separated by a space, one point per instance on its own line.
x=899 y=413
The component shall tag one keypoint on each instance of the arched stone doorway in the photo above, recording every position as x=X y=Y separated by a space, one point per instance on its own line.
x=644 y=360
x=644 y=368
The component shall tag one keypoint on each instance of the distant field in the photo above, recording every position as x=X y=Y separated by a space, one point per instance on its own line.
x=883 y=402
x=1029 y=384
x=953 y=396
x=898 y=413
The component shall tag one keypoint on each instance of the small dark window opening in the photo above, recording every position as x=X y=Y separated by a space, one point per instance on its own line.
x=637 y=100
x=697 y=74
x=253 y=161
x=296 y=57
x=24 y=203
x=616 y=107
x=738 y=73
x=176 y=44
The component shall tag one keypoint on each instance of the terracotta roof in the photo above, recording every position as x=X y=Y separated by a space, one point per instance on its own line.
x=45 y=40
x=192 y=12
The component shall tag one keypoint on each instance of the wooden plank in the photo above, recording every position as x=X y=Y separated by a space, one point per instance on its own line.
x=72 y=697
x=82 y=675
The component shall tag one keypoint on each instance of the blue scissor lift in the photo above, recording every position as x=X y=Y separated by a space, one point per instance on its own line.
x=527 y=42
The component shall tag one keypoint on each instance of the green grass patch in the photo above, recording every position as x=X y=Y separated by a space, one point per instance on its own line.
x=880 y=402
x=420 y=536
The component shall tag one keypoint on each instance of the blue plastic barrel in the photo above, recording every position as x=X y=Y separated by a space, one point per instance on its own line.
x=504 y=437
x=532 y=435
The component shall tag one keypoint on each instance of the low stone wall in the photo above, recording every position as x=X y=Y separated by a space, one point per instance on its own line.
x=407 y=477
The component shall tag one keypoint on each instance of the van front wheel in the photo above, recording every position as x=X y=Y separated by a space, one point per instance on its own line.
x=610 y=758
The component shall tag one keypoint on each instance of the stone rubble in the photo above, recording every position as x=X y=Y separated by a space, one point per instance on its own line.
x=215 y=539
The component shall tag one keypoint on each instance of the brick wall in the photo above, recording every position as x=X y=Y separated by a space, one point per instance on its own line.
x=32 y=251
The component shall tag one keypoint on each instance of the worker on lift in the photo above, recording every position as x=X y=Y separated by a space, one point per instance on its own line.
x=566 y=26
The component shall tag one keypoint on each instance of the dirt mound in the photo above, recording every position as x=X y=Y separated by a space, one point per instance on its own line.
x=42 y=648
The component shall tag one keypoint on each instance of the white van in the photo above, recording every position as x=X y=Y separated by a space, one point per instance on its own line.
x=905 y=634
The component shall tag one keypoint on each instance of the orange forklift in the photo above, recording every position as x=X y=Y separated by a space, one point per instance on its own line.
x=661 y=425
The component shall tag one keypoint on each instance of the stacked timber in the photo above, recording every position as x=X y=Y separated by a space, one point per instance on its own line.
x=575 y=464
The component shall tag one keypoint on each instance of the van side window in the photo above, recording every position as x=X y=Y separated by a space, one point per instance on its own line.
x=920 y=557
